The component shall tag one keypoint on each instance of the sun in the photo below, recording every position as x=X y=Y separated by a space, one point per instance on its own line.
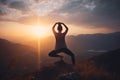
x=39 y=31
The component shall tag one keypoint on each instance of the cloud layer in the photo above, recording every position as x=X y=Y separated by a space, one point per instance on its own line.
x=89 y=13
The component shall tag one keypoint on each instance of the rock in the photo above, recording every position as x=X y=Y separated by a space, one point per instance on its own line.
x=70 y=76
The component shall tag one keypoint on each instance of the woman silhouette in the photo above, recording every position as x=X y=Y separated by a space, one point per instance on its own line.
x=60 y=42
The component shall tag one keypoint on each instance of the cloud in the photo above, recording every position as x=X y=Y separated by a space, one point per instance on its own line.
x=107 y=13
x=3 y=1
x=16 y=4
x=20 y=5
x=92 y=13
x=2 y=12
x=28 y=8
x=89 y=13
x=13 y=8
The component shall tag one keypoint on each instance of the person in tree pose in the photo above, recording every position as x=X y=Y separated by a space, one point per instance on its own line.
x=60 y=42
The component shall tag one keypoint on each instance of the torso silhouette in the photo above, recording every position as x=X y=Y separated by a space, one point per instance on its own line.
x=60 y=45
x=60 y=40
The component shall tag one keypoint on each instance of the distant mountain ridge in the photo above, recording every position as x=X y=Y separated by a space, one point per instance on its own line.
x=109 y=41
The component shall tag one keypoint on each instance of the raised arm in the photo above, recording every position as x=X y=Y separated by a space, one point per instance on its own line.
x=66 y=28
x=53 y=28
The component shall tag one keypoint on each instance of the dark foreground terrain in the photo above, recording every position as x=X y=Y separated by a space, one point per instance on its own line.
x=103 y=67
x=22 y=66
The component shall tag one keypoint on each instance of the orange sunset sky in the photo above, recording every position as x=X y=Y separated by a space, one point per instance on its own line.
x=35 y=18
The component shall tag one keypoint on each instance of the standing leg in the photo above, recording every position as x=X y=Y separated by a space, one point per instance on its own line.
x=54 y=53
x=67 y=51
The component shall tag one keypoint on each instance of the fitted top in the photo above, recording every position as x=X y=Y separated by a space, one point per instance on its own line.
x=60 y=40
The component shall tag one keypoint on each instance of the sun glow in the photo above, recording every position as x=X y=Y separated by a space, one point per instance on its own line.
x=39 y=31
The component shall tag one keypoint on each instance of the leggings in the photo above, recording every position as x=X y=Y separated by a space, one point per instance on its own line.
x=55 y=53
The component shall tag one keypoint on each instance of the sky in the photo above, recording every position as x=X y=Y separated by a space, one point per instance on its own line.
x=21 y=18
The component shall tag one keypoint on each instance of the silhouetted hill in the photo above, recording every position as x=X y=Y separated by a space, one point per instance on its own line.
x=110 y=61
x=16 y=58
x=97 y=42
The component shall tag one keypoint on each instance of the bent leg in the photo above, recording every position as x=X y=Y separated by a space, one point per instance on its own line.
x=54 y=53
x=68 y=52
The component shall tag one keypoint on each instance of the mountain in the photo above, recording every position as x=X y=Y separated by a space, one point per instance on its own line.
x=16 y=58
x=97 y=42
